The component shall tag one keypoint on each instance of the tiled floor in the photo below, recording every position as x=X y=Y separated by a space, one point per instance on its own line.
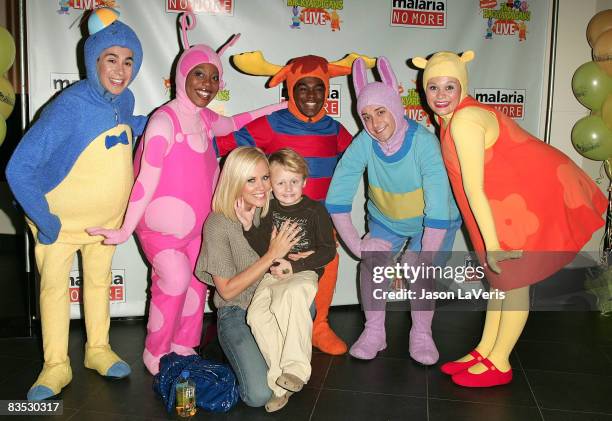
x=562 y=371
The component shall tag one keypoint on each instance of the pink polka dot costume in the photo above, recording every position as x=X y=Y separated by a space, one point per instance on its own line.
x=177 y=170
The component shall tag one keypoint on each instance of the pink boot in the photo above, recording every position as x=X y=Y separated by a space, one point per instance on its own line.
x=372 y=339
x=182 y=350
x=422 y=347
x=151 y=361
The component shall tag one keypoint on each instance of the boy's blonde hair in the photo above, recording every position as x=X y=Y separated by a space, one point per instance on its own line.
x=291 y=160
x=238 y=168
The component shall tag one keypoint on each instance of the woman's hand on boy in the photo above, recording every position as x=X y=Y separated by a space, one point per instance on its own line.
x=283 y=239
x=244 y=216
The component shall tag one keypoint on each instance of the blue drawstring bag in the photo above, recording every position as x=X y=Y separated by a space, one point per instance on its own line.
x=216 y=388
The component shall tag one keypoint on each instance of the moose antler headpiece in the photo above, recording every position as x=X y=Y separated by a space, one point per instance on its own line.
x=254 y=63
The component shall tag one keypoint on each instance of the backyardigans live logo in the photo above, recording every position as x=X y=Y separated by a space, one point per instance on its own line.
x=418 y=13
x=510 y=19
x=209 y=7
x=314 y=12
x=412 y=106
x=65 y=5
x=509 y=101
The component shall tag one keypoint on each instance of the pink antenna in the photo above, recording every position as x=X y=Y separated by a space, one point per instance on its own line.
x=228 y=44
x=186 y=25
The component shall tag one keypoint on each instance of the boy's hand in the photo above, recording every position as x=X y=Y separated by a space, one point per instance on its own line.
x=282 y=270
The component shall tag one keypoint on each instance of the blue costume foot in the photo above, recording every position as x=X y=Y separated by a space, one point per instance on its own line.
x=39 y=393
x=119 y=370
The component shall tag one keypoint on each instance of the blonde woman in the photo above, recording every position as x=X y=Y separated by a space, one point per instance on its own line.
x=235 y=269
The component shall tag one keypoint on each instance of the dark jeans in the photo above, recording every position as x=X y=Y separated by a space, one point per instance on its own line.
x=244 y=356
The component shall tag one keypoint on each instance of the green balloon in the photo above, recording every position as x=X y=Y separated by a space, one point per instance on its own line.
x=2 y=130
x=7 y=50
x=606 y=111
x=591 y=85
x=592 y=138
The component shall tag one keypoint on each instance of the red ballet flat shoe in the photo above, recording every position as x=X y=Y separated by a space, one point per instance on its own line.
x=454 y=367
x=491 y=377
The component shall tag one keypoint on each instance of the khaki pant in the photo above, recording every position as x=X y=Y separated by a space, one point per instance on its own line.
x=279 y=317
x=54 y=262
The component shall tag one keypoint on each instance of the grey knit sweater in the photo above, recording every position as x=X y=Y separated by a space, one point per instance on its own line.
x=225 y=253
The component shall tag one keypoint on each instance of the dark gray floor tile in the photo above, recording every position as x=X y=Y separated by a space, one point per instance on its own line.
x=12 y=365
x=299 y=408
x=567 y=357
x=128 y=333
x=67 y=415
x=16 y=385
x=608 y=351
x=345 y=315
x=131 y=396
x=347 y=405
x=85 y=384
x=563 y=354
x=381 y=375
x=464 y=323
x=516 y=393
x=568 y=327
x=571 y=391
x=83 y=415
x=29 y=348
x=553 y=415
x=320 y=366
x=444 y=410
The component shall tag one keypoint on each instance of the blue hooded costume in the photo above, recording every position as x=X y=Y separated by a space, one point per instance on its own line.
x=78 y=127
x=73 y=170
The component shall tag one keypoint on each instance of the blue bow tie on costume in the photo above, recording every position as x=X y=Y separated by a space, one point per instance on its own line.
x=113 y=140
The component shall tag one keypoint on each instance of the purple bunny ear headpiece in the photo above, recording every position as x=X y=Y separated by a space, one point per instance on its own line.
x=383 y=93
x=197 y=54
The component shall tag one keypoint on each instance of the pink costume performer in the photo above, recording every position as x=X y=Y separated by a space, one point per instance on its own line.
x=177 y=172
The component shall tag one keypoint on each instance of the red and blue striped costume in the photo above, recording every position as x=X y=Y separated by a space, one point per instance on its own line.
x=321 y=143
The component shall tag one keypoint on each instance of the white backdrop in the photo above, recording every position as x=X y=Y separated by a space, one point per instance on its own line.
x=509 y=39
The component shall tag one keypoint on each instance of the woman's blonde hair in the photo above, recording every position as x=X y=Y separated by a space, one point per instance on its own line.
x=238 y=168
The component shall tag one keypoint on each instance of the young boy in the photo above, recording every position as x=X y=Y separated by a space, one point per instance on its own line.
x=279 y=315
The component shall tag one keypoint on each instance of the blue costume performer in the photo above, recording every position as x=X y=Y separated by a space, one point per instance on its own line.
x=73 y=170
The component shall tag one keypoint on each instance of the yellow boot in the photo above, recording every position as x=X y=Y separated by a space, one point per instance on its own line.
x=97 y=260
x=53 y=262
x=51 y=380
